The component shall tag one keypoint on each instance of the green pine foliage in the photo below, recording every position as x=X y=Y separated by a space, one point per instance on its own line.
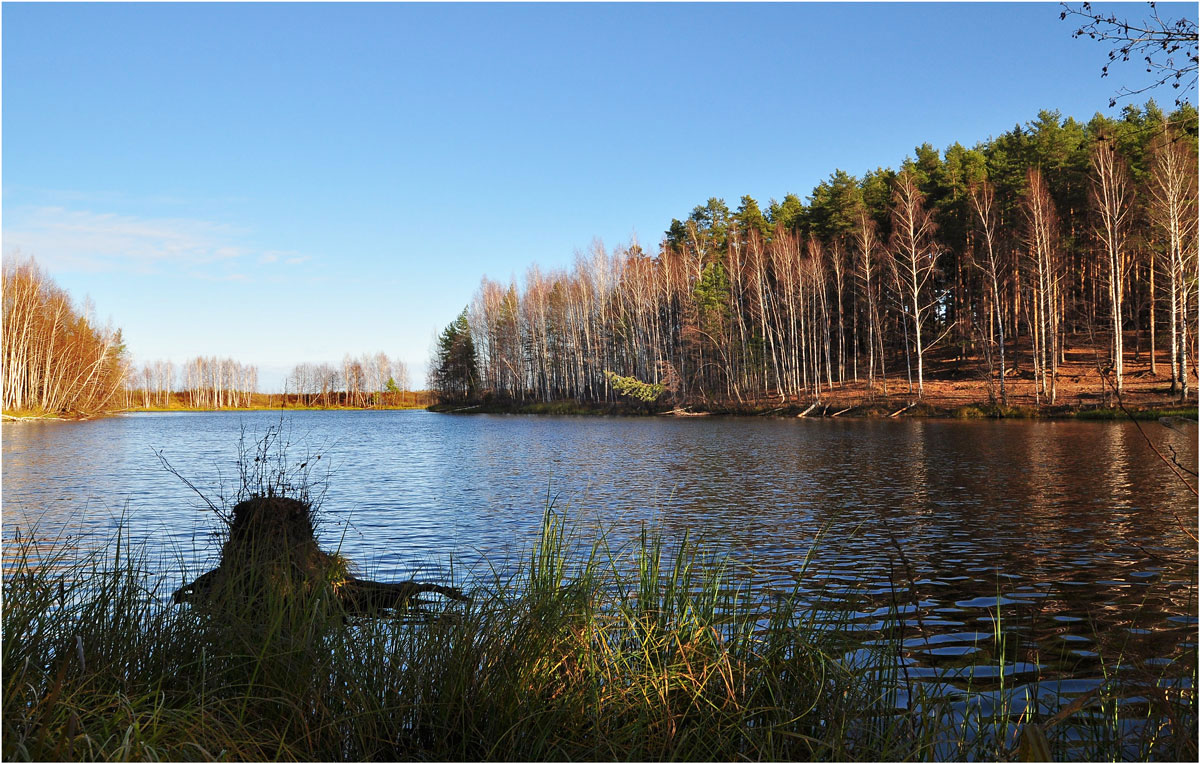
x=635 y=388
x=455 y=373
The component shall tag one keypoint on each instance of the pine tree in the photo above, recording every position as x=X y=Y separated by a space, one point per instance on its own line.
x=455 y=370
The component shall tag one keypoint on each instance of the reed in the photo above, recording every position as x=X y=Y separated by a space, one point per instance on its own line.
x=582 y=650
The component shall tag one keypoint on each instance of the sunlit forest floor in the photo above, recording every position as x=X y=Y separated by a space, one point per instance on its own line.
x=957 y=384
x=953 y=382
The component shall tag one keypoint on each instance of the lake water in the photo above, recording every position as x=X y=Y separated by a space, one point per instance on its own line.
x=1076 y=529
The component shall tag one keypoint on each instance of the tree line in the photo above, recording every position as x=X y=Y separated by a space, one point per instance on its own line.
x=56 y=357
x=365 y=382
x=371 y=380
x=201 y=383
x=1054 y=234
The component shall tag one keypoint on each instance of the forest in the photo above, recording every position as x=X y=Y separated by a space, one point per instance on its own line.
x=1054 y=236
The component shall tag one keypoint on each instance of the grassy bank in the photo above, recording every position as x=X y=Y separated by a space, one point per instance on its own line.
x=1144 y=414
x=585 y=652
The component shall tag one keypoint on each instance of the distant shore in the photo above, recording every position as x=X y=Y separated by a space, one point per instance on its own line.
x=32 y=416
x=180 y=402
x=290 y=407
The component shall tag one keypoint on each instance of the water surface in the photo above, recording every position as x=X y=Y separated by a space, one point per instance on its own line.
x=1073 y=535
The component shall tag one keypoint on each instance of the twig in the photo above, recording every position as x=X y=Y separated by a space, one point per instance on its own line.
x=1105 y=380
x=169 y=468
x=1149 y=442
x=1175 y=457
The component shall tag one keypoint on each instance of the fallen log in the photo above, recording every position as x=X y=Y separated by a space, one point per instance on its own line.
x=901 y=410
x=804 y=413
x=271 y=547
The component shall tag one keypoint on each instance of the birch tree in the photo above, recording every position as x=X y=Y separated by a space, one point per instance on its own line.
x=1041 y=237
x=915 y=252
x=1173 y=210
x=983 y=204
x=1112 y=197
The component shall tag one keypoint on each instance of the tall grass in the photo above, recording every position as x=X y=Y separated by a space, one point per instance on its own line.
x=586 y=651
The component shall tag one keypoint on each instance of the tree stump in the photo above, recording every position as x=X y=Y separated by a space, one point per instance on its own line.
x=272 y=551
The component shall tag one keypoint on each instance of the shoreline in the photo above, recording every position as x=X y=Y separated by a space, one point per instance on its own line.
x=887 y=409
x=891 y=409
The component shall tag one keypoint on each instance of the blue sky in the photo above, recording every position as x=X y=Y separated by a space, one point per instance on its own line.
x=282 y=183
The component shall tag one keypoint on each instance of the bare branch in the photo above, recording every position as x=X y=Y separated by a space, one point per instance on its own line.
x=1167 y=47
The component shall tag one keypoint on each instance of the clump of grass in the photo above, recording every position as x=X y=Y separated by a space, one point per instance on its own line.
x=969 y=412
x=565 y=658
x=1013 y=412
